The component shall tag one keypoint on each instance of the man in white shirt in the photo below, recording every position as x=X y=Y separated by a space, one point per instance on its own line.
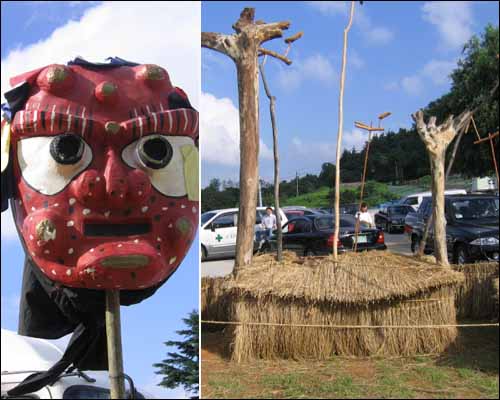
x=364 y=218
x=268 y=222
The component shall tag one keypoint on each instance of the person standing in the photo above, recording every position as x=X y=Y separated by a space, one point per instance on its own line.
x=268 y=223
x=364 y=218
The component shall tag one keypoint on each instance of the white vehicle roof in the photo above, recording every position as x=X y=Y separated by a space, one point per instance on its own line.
x=232 y=209
x=425 y=194
x=23 y=355
x=19 y=352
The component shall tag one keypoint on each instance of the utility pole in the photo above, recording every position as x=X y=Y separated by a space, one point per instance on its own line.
x=297 y=182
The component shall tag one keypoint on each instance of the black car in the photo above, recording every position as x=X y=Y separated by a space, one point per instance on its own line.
x=313 y=235
x=471 y=228
x=392 y=218
x=349 y=209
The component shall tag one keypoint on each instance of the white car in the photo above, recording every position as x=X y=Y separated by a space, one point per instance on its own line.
x=23 y=356
x=218 y=231
x=415 y=199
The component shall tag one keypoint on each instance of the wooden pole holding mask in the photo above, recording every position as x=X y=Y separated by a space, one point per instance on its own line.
x=114 y=341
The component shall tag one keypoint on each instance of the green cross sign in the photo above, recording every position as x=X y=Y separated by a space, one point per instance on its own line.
x=218 y=237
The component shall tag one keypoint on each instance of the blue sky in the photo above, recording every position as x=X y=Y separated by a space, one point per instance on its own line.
x=35 y=34
x=399 y=58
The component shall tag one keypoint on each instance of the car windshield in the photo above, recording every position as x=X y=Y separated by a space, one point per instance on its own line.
x=93 y=392
x=326 y=223
x=474 y=208
x=399 y=210
x=205 y=217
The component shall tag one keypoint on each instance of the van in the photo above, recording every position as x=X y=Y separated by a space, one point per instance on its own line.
x=415 y=199
x=218 y=231
x=23 y=356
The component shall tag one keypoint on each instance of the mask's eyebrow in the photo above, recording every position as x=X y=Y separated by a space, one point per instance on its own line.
x=181 y=121
x=52 y=119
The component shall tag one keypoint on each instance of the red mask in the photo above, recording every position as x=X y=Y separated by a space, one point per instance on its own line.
x=105 y=174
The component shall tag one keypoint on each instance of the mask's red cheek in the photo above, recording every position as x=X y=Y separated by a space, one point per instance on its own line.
x=179 y=232
x=45 y=234
x=139 y=186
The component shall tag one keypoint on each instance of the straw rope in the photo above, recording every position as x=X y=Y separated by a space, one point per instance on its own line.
x=351 y=326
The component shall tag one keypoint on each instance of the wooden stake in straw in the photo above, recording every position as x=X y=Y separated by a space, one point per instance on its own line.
x=339 y=135
x=114 y=340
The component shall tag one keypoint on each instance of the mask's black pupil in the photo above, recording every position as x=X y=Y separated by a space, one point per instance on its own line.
x=156 y=152
x=67 y=148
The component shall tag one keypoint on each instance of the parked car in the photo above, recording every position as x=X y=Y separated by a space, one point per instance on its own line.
x=298 y=211
x=313 y=235
x=388 y=203
x=410 y=222
x=392 y=218
x=349 y=209
x=471 y=228
x=218 y=231
x=415 y=199
x=23 y=356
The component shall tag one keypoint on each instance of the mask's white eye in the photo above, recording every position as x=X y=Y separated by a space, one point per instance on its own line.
x=49 y=163
x=161 y=158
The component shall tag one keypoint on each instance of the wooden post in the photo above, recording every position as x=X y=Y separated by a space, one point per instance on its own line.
x=114 y=340
x=436 y=140
x=356 y=230
x=339 y=136
x=490 y=138
x=243 y=48
x=272 y=110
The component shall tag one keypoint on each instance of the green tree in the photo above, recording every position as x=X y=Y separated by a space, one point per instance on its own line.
x=182 y=368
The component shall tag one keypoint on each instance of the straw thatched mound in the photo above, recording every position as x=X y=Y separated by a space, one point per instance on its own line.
x=375 y=288
x=476 y=297
x=214 y=306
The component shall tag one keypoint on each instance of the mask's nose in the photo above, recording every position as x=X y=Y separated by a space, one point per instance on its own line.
x=115 y=174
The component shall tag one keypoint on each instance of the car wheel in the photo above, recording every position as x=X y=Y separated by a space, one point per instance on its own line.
x=203 y=253
x=309 y=253
x=415 y=244
x=461 y=255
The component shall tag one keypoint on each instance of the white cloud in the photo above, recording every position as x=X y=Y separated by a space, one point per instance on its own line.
x=453 y=20
x=376 y=35
x=220 y=132
x=313 y=68
x=9 y=231
x=163 y=33
x=412 y=84
x=436 y=72
x=439 y=71
x=330 y=8
x=326 y=151
x=355 y=138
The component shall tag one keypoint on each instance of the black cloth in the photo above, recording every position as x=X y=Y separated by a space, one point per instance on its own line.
x=7 y=184
x=50 y=311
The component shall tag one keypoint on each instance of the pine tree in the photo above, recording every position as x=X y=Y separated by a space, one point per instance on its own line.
x=182 y=368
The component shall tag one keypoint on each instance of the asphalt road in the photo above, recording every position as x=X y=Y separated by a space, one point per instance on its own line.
x=397 y=243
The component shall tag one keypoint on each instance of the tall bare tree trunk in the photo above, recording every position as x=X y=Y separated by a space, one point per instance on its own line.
x=243 y=48
x=428 y=223
x=339 y=136
x=248 y=95
x=272 y=110
x=436 y=140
